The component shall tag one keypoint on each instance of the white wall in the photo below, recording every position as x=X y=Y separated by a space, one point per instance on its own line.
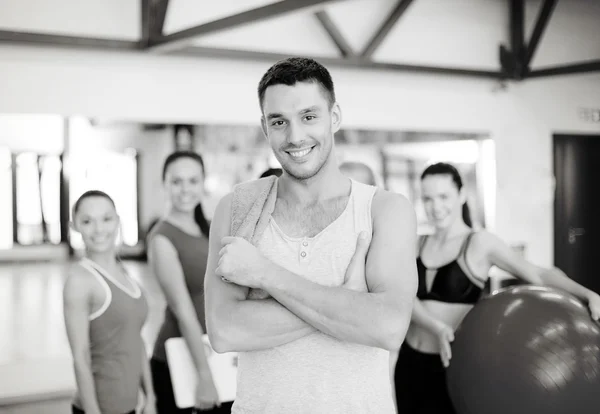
x=521 y=118
x=116 y=19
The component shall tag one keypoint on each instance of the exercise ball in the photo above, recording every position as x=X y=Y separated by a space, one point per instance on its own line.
x=526 y=349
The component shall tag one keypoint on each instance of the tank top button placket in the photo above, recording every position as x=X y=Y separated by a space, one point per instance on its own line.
x=303 y=251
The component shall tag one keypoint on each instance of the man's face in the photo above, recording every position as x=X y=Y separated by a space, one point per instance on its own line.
x=299 y=125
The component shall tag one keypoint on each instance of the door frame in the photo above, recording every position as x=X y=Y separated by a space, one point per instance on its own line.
x=560 y=255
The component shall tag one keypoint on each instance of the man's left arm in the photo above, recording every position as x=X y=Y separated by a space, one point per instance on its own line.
x=380 y=316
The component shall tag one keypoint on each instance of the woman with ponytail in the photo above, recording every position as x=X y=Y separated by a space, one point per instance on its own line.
x=105 y=310
x=453 y=265
x=177 y=253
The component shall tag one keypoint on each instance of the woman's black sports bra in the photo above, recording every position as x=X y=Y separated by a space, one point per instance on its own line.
x=450 y=284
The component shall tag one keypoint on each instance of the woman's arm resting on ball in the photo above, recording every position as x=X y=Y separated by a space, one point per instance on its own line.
x=502 y=256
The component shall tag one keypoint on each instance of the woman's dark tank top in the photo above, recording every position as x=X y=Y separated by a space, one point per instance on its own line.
x=451 y=283
x=193 y=254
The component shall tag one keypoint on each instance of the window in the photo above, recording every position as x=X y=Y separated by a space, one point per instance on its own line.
x=38 y=198
x=6 y=199
x=50 y=167
x=29 y=206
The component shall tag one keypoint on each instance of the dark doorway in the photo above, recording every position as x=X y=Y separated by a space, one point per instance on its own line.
x=576 y=207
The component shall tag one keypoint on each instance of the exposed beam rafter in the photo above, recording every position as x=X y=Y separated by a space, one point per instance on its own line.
x=42 y=39
x=512 y=60
x=160 y=14
x=540 y=26
x=570 y=69
x=515 y=59
x=183 y=37
x=356 y=62
x=334 y=33
x=385 y=28
x=517 y=26
x=145 y=20
x=153 y=19
x=351 y=62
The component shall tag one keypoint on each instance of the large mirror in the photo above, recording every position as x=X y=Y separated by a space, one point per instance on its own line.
x=40 y=183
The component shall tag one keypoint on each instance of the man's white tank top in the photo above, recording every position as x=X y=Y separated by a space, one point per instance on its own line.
x=317 y=373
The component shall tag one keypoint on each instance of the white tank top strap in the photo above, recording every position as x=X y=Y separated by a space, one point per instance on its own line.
x=108 y=298
x=135 y=290
x=362 y=200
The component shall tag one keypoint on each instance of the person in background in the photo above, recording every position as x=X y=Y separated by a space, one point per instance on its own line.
x=177 y=252
x=105 y=311
x=453 y=266
x=358 y=171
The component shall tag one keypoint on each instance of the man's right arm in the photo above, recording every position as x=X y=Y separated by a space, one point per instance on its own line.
x=235 y=323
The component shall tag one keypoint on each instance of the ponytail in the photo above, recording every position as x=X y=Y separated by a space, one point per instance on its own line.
x=466 y=215
x=201 y=221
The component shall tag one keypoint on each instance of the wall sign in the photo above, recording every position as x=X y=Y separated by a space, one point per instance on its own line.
x=589 y=114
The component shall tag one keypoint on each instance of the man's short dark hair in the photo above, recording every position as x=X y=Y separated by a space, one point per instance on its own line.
x=297 y=69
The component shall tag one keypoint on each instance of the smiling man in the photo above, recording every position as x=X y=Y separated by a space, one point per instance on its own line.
x=336 y=259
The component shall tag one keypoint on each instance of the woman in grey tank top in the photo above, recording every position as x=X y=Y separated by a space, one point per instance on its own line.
x=177 y=252
x=105 y=311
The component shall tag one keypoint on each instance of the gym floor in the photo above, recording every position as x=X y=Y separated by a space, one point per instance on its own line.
x=35 y=360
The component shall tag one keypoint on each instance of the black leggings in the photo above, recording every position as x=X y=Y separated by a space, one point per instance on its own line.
x=421 y=386
x=165 y=399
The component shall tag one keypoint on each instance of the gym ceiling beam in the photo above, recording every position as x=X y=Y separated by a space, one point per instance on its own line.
x=182 y=38
x=43 y=39
x=512 y=60
x=571 y=69
x=385 y=28
x=355 y=62
x=540 y=26
x=153 y=13
x=334 y=33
